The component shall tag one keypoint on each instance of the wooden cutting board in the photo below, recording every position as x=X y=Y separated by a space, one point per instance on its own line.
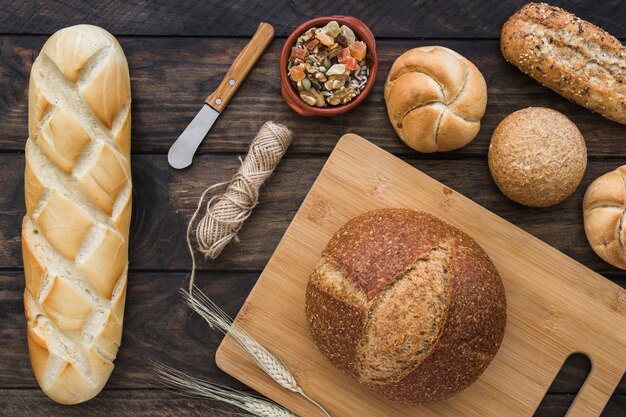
x=556 y=306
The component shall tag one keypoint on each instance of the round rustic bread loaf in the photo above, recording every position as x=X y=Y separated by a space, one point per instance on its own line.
x=435 y=99
x=603 y=211
x=407 y=305
x=537 y=157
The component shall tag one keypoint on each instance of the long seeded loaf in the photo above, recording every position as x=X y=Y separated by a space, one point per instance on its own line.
x=571 y=56
x=78 y=202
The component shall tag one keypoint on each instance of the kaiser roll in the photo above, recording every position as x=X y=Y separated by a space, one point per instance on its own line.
x=603 y=211
x=435 y=99
x=407 y=305
x=537 y=157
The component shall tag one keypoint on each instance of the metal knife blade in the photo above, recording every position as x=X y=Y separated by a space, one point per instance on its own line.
x=182 y=151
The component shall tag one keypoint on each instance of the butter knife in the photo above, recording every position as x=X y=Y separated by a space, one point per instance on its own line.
x=182 y=151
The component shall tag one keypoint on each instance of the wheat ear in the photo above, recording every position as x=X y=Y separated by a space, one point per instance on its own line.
x=188 y=385
x=268 y=362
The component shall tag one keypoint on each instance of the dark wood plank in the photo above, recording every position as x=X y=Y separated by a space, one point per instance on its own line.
x=615 y=407
x=144 y=403
x=557 y=405
x=164 y=200
x=404 y=18
x=158 y=326
x=120 y=403
x=185 y=70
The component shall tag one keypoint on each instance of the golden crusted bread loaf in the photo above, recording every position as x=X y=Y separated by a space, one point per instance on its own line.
x=603 y=212
x=435 y=99
x=537 y=156
x=575 y=58
x=78 y=203
x=407 y=305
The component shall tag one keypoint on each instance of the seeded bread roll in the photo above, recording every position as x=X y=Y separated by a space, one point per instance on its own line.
x=78 y=202
x=407 y=305
x=537 y=157
x=603 y=211
x=575 y=58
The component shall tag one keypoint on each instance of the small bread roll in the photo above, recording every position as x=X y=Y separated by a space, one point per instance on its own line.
x=603 y=211
x=537 y=157
x=435 y=99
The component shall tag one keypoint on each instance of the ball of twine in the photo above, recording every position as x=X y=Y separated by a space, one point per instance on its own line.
x=225 y=213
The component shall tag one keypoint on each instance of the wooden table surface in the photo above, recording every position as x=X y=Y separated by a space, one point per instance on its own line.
x=178 y=52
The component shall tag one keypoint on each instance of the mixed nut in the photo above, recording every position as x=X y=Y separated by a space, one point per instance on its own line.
x=328 y=66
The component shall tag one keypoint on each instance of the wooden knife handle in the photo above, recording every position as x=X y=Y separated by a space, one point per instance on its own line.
x=243 y=64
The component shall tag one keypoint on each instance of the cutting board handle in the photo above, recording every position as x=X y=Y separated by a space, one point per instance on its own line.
x=596 y=391
x=240 y=68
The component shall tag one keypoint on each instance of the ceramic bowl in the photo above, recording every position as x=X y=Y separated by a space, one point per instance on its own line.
x=290 y=94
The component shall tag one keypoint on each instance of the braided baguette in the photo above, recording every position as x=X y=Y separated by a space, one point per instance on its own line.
x=573 y=57
x=78 y=203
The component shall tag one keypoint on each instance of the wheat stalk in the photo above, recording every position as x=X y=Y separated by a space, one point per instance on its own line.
x=268 y=362
x=188 y=385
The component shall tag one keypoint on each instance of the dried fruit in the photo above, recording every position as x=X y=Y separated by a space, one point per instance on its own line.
x=298 y=53
x=296 y=73
x=332 y=28
x=336 y=69
x=358 y=50
x=329 y=66
x=325 y=39
x=351 y=64
x=347 y=33
x=312 y=44
x=369 y=59
x=343 y=55
x=342 y=41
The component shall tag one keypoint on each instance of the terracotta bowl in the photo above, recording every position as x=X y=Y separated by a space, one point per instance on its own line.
x=290 y=95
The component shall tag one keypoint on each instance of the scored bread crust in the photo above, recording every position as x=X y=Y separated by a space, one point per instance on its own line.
x=435 y=99
x=77 y=185
x=603 y=212
x=370 y=258
x=571 y=56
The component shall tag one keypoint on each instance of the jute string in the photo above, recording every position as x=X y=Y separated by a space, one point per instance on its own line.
x=225 y=213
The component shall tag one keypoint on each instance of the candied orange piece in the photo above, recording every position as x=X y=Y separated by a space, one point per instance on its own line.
x=296 y=73
x=358 y=50
x=343 y=56
x=298 y=53
x=351 y=64
x=312 y=44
